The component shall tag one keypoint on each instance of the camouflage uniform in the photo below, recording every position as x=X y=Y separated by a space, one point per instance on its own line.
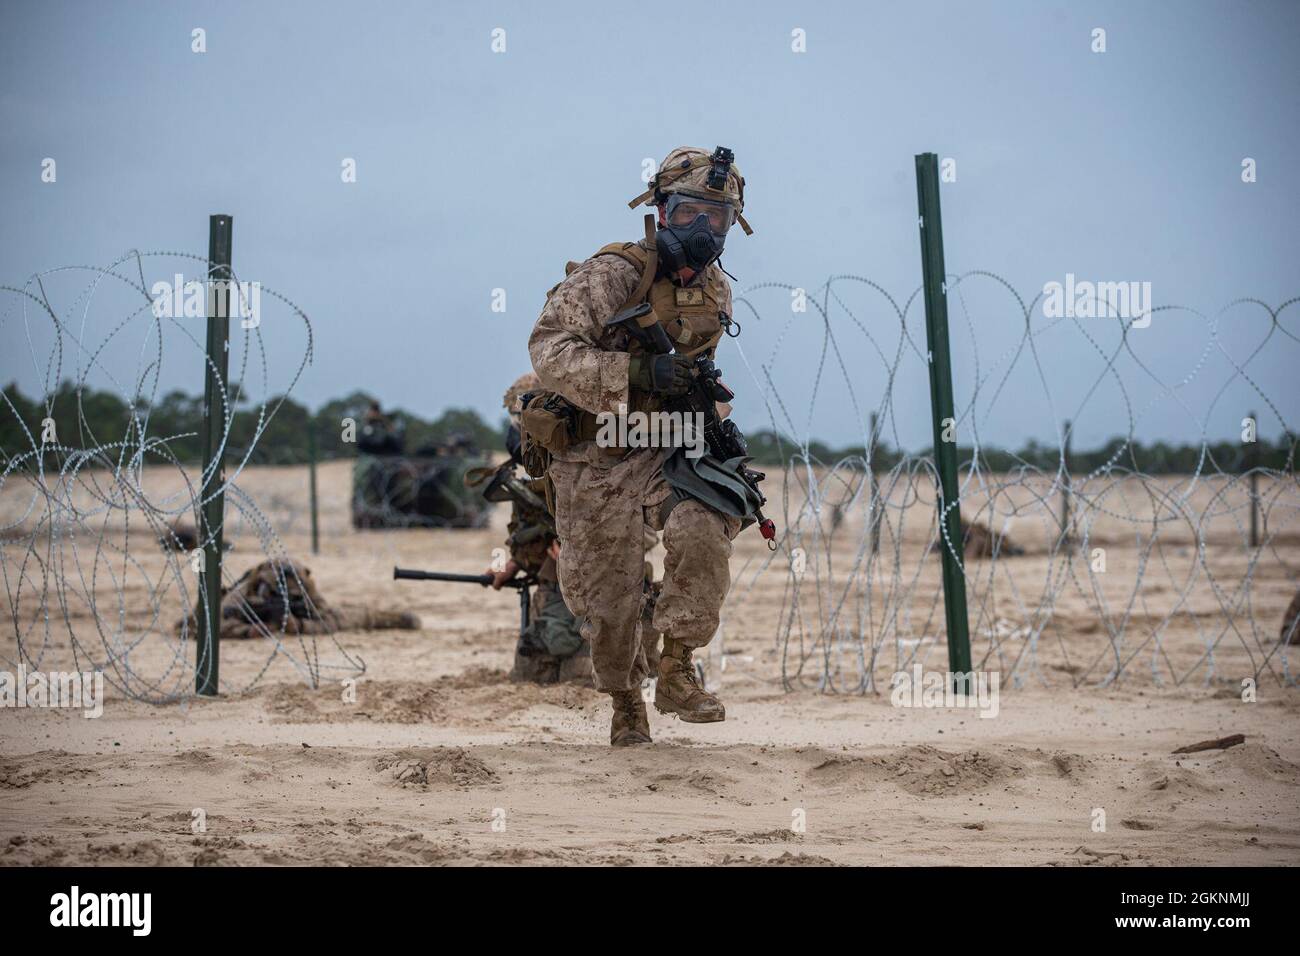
x=673 y=306
x=551 y=649
x=280 y=596
x=603 y=500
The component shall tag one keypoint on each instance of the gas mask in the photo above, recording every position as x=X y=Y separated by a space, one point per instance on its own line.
x=693 y=233
x=514 y=440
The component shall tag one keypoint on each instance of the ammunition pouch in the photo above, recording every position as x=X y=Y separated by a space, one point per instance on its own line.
x=547 y=422
x=547 y=426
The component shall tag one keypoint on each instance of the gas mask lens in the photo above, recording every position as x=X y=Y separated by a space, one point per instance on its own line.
x=682 y=211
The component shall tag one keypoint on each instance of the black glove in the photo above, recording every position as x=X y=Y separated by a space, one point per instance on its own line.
x=666 y=374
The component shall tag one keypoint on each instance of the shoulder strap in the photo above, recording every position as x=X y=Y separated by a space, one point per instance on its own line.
x=645 y=258
x=628 y=251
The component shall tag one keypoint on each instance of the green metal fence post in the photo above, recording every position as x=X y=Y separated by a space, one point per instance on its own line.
x=875 y=485
x=1065 y=483
x=212 y=511
x=311 y=457
x=941 y=405
x=1252 y=462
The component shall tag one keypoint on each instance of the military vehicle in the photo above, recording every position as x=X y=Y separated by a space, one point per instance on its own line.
x=391 y=489
x=416 y=491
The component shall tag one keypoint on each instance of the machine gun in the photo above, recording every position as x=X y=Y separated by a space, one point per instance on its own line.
x=724 y=439
x=521 y=584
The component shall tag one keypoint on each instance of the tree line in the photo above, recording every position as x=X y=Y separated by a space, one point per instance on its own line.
x=1153 y=458
x=88 y=417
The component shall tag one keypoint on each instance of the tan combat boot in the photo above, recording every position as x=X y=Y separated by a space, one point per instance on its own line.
x=678 y=690
x=630 y=725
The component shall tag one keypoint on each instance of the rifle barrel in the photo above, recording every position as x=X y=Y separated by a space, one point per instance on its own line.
x=411 y=574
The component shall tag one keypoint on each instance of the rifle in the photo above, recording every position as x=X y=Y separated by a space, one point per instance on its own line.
x=521 y=584
x=504 y=485
x=724 y=439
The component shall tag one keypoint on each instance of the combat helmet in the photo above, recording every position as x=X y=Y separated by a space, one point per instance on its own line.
x=691 y=171
x=528 y=382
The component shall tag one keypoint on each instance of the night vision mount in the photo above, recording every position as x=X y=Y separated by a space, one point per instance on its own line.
x=722 y=160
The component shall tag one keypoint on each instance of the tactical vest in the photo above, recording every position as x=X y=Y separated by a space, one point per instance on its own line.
x=691 y=315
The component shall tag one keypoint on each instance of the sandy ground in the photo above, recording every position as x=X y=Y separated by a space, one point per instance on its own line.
x=441 y=759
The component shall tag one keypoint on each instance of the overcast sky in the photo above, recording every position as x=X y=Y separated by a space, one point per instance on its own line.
x=479 y=170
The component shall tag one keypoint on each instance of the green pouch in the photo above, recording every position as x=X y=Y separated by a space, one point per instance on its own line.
x=555 y=630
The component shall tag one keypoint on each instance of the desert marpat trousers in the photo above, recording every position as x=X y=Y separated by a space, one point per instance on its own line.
x=601 y=512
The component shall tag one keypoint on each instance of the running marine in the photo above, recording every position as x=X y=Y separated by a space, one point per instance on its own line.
x=592 y=367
